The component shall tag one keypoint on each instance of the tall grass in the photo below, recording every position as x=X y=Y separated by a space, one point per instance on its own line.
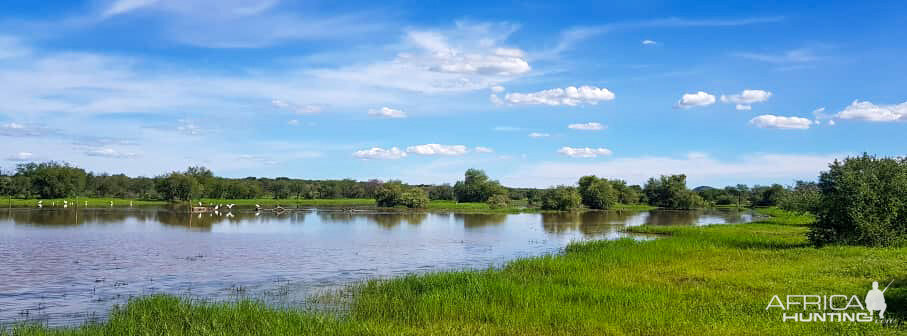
x=714 y=280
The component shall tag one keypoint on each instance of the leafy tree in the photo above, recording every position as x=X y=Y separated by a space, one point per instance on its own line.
x=625 y=194
x=394 y=193
x=498 y=201
x=803 y=197
x=53 y=179
x=670 y=191
x=476 y=187
x=863 y=202
x=561 y=198
x=177 y=187
x=596 y=193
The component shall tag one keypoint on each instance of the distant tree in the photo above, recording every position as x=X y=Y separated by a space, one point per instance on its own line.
x=596 y=193
x=863 y=202
x=670 y=191
x=441 y=192
x=53 y=179
x=177 y=187
x=625 y=194
x=498 y=201
x=476 y=187
x=561 y=198
x=394 y=193
x=803 y=197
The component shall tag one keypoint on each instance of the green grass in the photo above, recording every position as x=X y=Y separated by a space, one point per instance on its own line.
x=713 y=280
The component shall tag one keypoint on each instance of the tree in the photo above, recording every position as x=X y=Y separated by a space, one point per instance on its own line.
x=53 y=179
x=561 y=198
x=863 y=202
x=177 y=187
x=670 y=191
x=625 y=194
x=803 y=197
x=498 y=201
x=394 y=193
x=476 y=187
x=596 y=193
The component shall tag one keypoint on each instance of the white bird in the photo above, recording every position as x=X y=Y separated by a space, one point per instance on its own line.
x=217 y=207
x=199 y=203
x=111 y=204
x=230 y=206
x=86 y=204
x=130 y=203
x=257 y=207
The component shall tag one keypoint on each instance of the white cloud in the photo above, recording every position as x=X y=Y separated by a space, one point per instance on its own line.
x=110 y=153
x=584 y=152
x=589 y=126
x=436 y=149
x=380 y=153
x=21 y=157
x=569 y=96
x=480 y=149
x=871 y=112
x=295 y=108
x=649 y=42
x=802 y=55
x=507 y=129
x=293 y=122
x=465 y=58
x=538 y=135
x=497 y=101
x=387 y=112
x=747 y=98
x=242 y=23
x=831 y=123
x=700 y=98
x=773 y=121
x=497 y=89
x=13 y=129
x=757 y=168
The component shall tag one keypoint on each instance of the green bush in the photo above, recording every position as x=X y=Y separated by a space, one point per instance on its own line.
x=671 y=192
x=394 y=193
x=498 y=201
x=561 y=198
x=803 y=197
x=863 y=202
x=596 y=193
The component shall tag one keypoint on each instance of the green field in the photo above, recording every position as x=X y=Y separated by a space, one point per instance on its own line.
x=714 y=280
x=78 y=201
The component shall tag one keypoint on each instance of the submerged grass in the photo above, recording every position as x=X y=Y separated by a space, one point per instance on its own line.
x=714 y=280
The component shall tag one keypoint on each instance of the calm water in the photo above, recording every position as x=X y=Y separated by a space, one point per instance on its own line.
x=63 y=267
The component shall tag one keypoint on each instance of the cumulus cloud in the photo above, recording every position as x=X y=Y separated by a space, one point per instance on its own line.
x=585 y=152
x=480 y=149
x=649 y=42
x=538 y=135
x=378 y=153
x=21 y=157
x=569 y=96
x=747 y=98
x=436 y=149
x=700 y=98
x=589 y=126
x=871 y=112
x=110 y=153
x=773 y=121
x=387 y=112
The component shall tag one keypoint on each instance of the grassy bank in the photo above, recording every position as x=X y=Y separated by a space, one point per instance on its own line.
x=80 y=202
x=292 y=201
x=714 y=280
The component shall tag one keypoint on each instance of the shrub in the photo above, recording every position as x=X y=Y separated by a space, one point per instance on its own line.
x=561 y=198
x=498 y=201
x=671 y=192
x=863 y=202
x=394 y=193
x=596 y=193
x=803 y=197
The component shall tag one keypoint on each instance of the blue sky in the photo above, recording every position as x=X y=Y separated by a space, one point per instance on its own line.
x=535 y=93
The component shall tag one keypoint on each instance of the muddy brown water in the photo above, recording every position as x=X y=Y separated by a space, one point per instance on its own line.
x=68 y=266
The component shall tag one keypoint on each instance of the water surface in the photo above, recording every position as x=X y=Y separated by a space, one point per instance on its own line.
x=65 y=266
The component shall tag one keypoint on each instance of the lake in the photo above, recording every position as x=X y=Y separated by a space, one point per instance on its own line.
x=66 y=266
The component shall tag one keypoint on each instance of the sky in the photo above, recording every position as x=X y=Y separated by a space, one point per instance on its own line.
x=536 y=93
